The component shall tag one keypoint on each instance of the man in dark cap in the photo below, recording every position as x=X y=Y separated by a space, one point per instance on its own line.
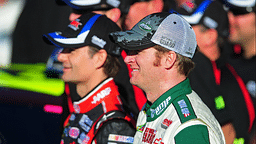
x=116 y=10
x=242 y=27
x=213 y=78
x=90 y=61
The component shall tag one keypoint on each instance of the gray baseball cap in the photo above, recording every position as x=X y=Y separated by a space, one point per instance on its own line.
x=170 y=31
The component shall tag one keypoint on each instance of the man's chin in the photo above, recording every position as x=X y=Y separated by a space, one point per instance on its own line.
x=67 y=79
x=233 y=38
x=134 y=82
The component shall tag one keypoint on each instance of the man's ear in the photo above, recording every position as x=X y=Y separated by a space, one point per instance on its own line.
x=100 y=58
x=170 y=59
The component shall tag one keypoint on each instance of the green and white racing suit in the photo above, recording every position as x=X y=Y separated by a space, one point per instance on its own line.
x=179 y=116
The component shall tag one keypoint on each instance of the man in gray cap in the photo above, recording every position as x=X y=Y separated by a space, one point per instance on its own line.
x=161 y=46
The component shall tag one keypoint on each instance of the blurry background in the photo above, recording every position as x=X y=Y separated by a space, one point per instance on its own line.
x=9 y=13
x=30 y=93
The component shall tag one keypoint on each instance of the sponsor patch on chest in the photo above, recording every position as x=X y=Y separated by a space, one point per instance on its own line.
x=166 y=123
x=149 y=135
x=101 y=95
x=160 y=108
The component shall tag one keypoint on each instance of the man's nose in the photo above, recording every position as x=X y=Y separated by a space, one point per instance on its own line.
x=129 y=58
x=62 y=57
x=231 y=17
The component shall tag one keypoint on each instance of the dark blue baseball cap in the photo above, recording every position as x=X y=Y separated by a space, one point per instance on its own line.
x=208 y=13
x=88 y=30
x=240 y=7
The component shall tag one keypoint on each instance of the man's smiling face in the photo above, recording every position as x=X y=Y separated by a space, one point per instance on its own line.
x=144 y=71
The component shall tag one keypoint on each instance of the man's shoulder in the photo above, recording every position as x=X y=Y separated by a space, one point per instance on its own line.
x=184 y=108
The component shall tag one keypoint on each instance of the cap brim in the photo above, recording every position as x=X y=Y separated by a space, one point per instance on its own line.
x=131 y=40
x=49 y=40
x=62 y=42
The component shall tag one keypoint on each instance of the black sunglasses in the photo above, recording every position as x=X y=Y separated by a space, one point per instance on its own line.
x=241 y=11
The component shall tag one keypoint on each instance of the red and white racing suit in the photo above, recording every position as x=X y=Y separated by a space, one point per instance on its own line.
x=99 y=118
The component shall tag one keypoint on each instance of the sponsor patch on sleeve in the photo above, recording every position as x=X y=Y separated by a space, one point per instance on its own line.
x=184 y=109
x=120 y=138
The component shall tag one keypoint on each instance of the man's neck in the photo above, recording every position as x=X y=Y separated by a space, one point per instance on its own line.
x=162 y=87
x=212 y=53
x=83 y=88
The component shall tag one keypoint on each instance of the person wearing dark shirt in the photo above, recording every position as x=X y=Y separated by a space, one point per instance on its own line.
x=213 y=78
x=242 y=26
x=37 y=17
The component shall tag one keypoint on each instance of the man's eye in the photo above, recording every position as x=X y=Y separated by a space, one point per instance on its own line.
x=133 y=52
x=67 y=50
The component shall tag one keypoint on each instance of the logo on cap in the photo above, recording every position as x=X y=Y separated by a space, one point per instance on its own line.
x=198 y=14
x=168 y=42
x=75 y=24
x=189 y=6
x=114 y=3
x=145 y=26
x=99 y=42
x=190 y=51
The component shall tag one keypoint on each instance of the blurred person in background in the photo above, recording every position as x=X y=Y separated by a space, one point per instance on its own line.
x=37 y=17
x=242 y=29
x=243 y=32
x=213 y=78
x=10 y=11
x=90 y=61
x=142 y=8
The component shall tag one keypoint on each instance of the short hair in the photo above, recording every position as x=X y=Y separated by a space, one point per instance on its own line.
x=185 y=65
x=111 y=66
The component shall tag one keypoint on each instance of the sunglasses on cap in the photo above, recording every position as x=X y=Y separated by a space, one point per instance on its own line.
x=241 y=11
